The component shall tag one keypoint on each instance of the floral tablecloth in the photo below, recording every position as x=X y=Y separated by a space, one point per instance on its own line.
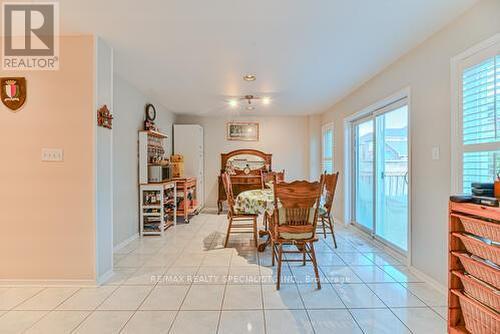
x=258 y=201
x=255 y=201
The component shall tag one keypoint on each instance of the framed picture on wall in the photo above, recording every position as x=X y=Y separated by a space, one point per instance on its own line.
x=242 y=131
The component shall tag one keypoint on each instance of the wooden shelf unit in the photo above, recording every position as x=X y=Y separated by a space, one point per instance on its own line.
x=187 y=205
x=163 y=208
x=155 y=134
x=151 y=143
x=459 y=212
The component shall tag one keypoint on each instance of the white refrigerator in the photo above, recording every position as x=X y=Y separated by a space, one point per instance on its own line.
x=188 y=141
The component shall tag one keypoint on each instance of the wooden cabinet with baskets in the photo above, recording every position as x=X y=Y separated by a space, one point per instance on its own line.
x=474 y=269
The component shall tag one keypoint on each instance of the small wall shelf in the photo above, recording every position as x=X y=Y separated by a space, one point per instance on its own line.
x=151 y=144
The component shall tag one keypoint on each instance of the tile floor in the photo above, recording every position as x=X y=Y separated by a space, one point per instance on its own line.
x=186 y=282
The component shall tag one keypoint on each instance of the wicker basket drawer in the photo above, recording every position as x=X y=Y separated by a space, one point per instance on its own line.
x=480 y=270
x=479 y=248
x=480 y=291
x=478 y=318
x=482 y=228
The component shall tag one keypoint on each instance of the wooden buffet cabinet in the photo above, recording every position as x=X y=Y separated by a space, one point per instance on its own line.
x=242 y=180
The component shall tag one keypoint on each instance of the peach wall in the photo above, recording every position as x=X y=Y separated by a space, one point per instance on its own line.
x=47 y=208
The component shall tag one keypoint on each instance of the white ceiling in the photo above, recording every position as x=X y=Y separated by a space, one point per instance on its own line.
x=190 y=55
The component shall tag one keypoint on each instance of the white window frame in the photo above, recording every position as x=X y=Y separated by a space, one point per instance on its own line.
x=471 y=56
x=324 y=129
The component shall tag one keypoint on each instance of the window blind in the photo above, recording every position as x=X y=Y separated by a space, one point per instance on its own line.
x=481 y=122
x=327 y=150
x=481 y=115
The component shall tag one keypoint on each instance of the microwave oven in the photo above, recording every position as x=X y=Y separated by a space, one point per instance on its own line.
x=159 y=173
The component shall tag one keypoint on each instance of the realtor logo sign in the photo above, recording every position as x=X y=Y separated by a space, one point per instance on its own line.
x=30 y=36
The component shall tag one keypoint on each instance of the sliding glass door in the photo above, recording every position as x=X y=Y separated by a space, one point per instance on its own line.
x=364 y=141
x=381 y=174
x=392 y=177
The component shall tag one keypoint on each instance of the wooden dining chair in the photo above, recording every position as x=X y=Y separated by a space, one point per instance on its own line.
x=266 y=177
x=325 y=209
x=237 y=220
x=294 y=222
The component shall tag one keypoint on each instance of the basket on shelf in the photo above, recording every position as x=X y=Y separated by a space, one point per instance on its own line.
x=480 y=291
x=478 y=269
x=478 y=318
x=480 y=248
x=486 y=229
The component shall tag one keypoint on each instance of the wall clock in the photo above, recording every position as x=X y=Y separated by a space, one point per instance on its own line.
x=150 y=112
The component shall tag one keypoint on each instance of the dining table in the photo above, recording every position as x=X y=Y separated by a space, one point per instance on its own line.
x=257 y=202
x=261 y=202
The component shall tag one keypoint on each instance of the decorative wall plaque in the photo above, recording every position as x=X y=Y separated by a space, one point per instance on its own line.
x=104 y=117
x=13 y=92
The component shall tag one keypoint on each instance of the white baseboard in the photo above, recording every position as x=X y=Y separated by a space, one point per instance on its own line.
x=56 y=282
x=104 y=277
x=125 y=242
x=431 y=281
x=50 y=282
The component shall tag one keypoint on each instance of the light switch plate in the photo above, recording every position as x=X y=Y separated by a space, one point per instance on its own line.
x=435 y=153
x=52 y=154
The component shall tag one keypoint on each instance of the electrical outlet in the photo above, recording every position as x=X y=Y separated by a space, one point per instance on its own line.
x=435 y=153
x=52 y=154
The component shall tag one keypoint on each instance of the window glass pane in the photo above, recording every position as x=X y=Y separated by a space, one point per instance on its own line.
x=480 y=167
x=497 y=94
x=327 y=144
x=327 y=151
x=480 y=110
x=364 y=174
x=328 y=166
x=392 y=177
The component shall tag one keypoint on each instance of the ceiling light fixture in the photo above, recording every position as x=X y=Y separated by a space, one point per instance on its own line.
x=249 y=77
x=249 y=99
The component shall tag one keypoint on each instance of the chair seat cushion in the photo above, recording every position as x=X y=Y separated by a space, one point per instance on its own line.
x=242 y=214
x=296 y=236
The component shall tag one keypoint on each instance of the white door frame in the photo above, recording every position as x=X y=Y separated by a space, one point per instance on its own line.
x=375 y=109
